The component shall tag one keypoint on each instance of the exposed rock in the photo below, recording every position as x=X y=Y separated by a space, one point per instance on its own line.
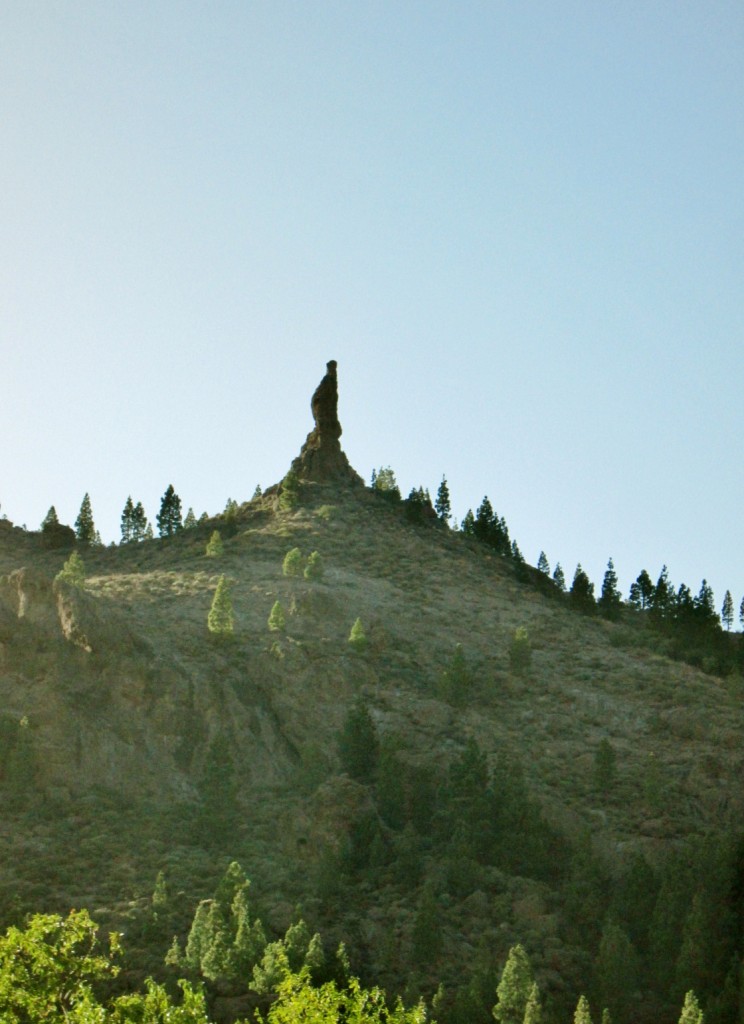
x=322 y=459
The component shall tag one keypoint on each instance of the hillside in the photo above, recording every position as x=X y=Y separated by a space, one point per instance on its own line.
x=135 y=741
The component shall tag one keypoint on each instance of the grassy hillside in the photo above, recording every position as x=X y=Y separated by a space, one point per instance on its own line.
x=135 y=742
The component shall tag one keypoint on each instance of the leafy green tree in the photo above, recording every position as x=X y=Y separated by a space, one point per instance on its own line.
x=520 y=652
x=314 y=569
x=705 y=608
x=417 y=505
x=154 y=1006
x=662 y=599
x=559 y=577
x=543 y=564
x=691 y=1012
x=358 y=746
x=610 y=600
x=299 y=1000
x=292 y=564
x=220 y=619
x=190 y=521
x=514 y=989
x=727 y=611
x=582 y=592
x=277 y=619
x=442 y=504
x=48 y=968
x=357 y=637
x=169 y=516
x=159 y=897
x=85 y=528
x=516 y=553
x=215 y=548
x=73 y=571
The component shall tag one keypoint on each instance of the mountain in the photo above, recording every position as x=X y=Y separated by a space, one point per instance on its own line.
x=509 y=797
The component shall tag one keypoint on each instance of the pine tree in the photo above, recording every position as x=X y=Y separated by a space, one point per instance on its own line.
x=383 y=482
x=641 y=591
x=705 y=608
x=160 y=892
x=467 y=526
x=358 y=746
x=582 y=1014
x=220 y=619
x=140 y=525
x=357 y=637
x=559 y=578
x=616 y=970
x=314 y=568
x=582 y=591
x=691 y=1012
x=50 y=520
x=727 y=611
x=741 y=613
x=292 y=564
x=289 y=492
x=543 y=564
x=127 y=521
x=190 y=520
x=442 y=505
x=662 y=599
x=277 y=619
x=215 y=547
x=169 y=517
x=85 y=529
x=514 y=989
x=610 y=599
x=73 y=571
x=533 y=1010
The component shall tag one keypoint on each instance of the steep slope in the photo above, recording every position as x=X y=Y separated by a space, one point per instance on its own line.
x=118 y=707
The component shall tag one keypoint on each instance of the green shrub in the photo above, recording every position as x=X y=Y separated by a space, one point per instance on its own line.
x=292 y=565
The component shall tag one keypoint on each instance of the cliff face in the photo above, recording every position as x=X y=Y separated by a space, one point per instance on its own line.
x=321 y=459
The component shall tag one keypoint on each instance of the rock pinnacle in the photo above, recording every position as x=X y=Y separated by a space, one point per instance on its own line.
x=321 y=459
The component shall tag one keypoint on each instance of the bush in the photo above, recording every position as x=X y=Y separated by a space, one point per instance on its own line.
x=277 y=619
x=73 y=571
x=314 y=568
x=215 y=547
x=357 y=637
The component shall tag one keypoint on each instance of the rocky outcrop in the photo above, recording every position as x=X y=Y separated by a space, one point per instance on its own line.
x=322 y=459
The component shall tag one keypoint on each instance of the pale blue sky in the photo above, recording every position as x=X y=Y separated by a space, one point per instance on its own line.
x=518 y=227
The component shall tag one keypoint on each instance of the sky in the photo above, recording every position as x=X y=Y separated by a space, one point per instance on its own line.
x=518 y=228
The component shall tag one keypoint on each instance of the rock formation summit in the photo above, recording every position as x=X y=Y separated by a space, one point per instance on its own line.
x=321 y=459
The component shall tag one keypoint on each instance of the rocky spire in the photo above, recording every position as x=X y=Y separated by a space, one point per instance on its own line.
x=321 y=459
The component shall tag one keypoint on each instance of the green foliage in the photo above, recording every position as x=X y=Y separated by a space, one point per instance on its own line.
x=289 y=492
x=159 y=897
x=581 y=594
x=457 y=682
x=520 y=652
x=155 y=1006
x=641 y=591
x=50 y=520
x=418 y=505
x=605 y=766
x=515 y=987
x=73 y=571
x=292 y=564
x=442 y=504
x=85 y=529
x=543 y=565
x=220 y=619
x=224 y=942
x=727 y=611
x=559 y=578
x=610 y=600
x=277 y=621
x=358 y=746
x=314 y=569
x=169 y=516
x=691 y=1012
x=299 y=1001
x=616 y=972
x=357 y=637
x=426 y=935
x=215 y=548
x=190 y=521
x=533 y=1009
x=48 y=968
x=384 y=484
x=583 y=1013
x=126 y=520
